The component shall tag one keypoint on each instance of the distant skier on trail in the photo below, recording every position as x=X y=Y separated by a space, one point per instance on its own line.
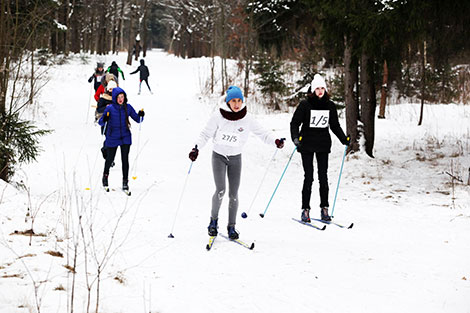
x=115 y=119
x=315 y=116
x=96 y=77
x=229 y=128
x=144 y=75
x=115 y=70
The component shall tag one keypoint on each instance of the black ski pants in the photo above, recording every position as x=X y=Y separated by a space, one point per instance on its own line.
x=322 y=168
x=146 y=81
x=111 y=153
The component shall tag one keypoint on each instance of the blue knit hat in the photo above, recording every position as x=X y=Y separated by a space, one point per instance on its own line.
x=233 y=92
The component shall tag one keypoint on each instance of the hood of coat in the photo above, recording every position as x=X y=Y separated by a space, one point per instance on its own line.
x=117 y=91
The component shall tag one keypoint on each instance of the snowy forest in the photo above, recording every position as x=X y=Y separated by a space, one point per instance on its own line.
x=398 y=72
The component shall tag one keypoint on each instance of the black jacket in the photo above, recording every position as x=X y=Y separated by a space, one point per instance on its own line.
x=143 y=69
x=314 y=117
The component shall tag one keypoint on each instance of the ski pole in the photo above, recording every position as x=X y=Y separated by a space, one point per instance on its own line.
x=88 y=110
x=105 y=124
x=245 y=215
x=262 y=214
x=138 y=144
x=179 y=201
x=339 y=179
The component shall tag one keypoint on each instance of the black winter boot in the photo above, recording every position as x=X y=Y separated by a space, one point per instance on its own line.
x=324 y=214
x=305 y=216
x=212 y=228
x=125 y=184
x=232 y=233
x=105 y=180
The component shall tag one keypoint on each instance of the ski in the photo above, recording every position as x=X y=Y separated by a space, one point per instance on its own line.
x=309 y=224
x=106 y=189
x=334 y=223
x=211 y=242
x=240 y=242
x=127 y=192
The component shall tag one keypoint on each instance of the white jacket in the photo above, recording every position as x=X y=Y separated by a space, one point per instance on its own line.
x=229 y=137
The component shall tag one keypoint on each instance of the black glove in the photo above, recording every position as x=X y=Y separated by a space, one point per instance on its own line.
x=193 y=154
x=296 y=142
x=141 y=113
x=280 y=143
x=347 y=141
x=106 y=117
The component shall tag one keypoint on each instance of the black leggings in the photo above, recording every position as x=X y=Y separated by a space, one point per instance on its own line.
x=146 y=81
x=111 y=153
x=322 y=165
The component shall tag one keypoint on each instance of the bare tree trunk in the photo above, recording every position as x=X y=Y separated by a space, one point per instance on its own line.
x=383 y=91
x=143 y=29
x=367 y=91
x=423 y=81
x=352 y=108
x=131 y=40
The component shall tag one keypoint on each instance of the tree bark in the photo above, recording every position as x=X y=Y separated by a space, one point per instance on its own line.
x=131 y=34
x=352 y=108
x=367 y=91
x=423 y=81
x=383 y=91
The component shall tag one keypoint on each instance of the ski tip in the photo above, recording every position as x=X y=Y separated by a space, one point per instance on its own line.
x=323 y=228
x=171 y=236
x=252 y=246
x=351 y=226
x=262 y=215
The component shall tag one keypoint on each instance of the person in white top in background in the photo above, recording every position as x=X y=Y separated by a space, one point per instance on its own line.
x=229 y=129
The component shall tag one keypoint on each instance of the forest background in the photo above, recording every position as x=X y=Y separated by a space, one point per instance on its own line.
x=370 y=51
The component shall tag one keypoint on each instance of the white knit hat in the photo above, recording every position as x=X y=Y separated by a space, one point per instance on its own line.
x=111 y=85
x=318 y=81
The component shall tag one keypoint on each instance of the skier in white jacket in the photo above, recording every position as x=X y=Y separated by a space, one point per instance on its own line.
x=229 y=129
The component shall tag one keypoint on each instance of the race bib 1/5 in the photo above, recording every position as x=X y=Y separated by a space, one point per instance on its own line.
x=319 y=118
x=228 y=139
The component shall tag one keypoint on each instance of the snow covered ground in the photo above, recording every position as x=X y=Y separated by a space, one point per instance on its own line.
x=409 y=249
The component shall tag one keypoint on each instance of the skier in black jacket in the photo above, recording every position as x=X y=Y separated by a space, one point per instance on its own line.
x=115 y=70
x=315 y=116
x=97 y=75
x=144 y=75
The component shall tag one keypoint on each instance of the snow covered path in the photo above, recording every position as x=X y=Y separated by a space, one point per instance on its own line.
x=409 y=250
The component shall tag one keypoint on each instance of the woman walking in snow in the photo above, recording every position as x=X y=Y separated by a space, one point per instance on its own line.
x=144 y=75
x=229 y=129
x=315 y=116
x=116 y=123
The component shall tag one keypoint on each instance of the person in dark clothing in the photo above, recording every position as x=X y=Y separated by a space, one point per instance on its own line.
x=115 y=70
x=144 y=75
x=117 y=130
x=315 y=116
x=105 y=100
x=96 y=77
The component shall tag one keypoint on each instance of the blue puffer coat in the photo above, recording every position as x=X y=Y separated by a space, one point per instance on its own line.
x=117 y=132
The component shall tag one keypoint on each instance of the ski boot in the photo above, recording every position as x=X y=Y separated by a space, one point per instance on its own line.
x=305 y=216
x=125 y=185
x=212 y=227
x=105 y=180
x=324 y=214
x=232 y=233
